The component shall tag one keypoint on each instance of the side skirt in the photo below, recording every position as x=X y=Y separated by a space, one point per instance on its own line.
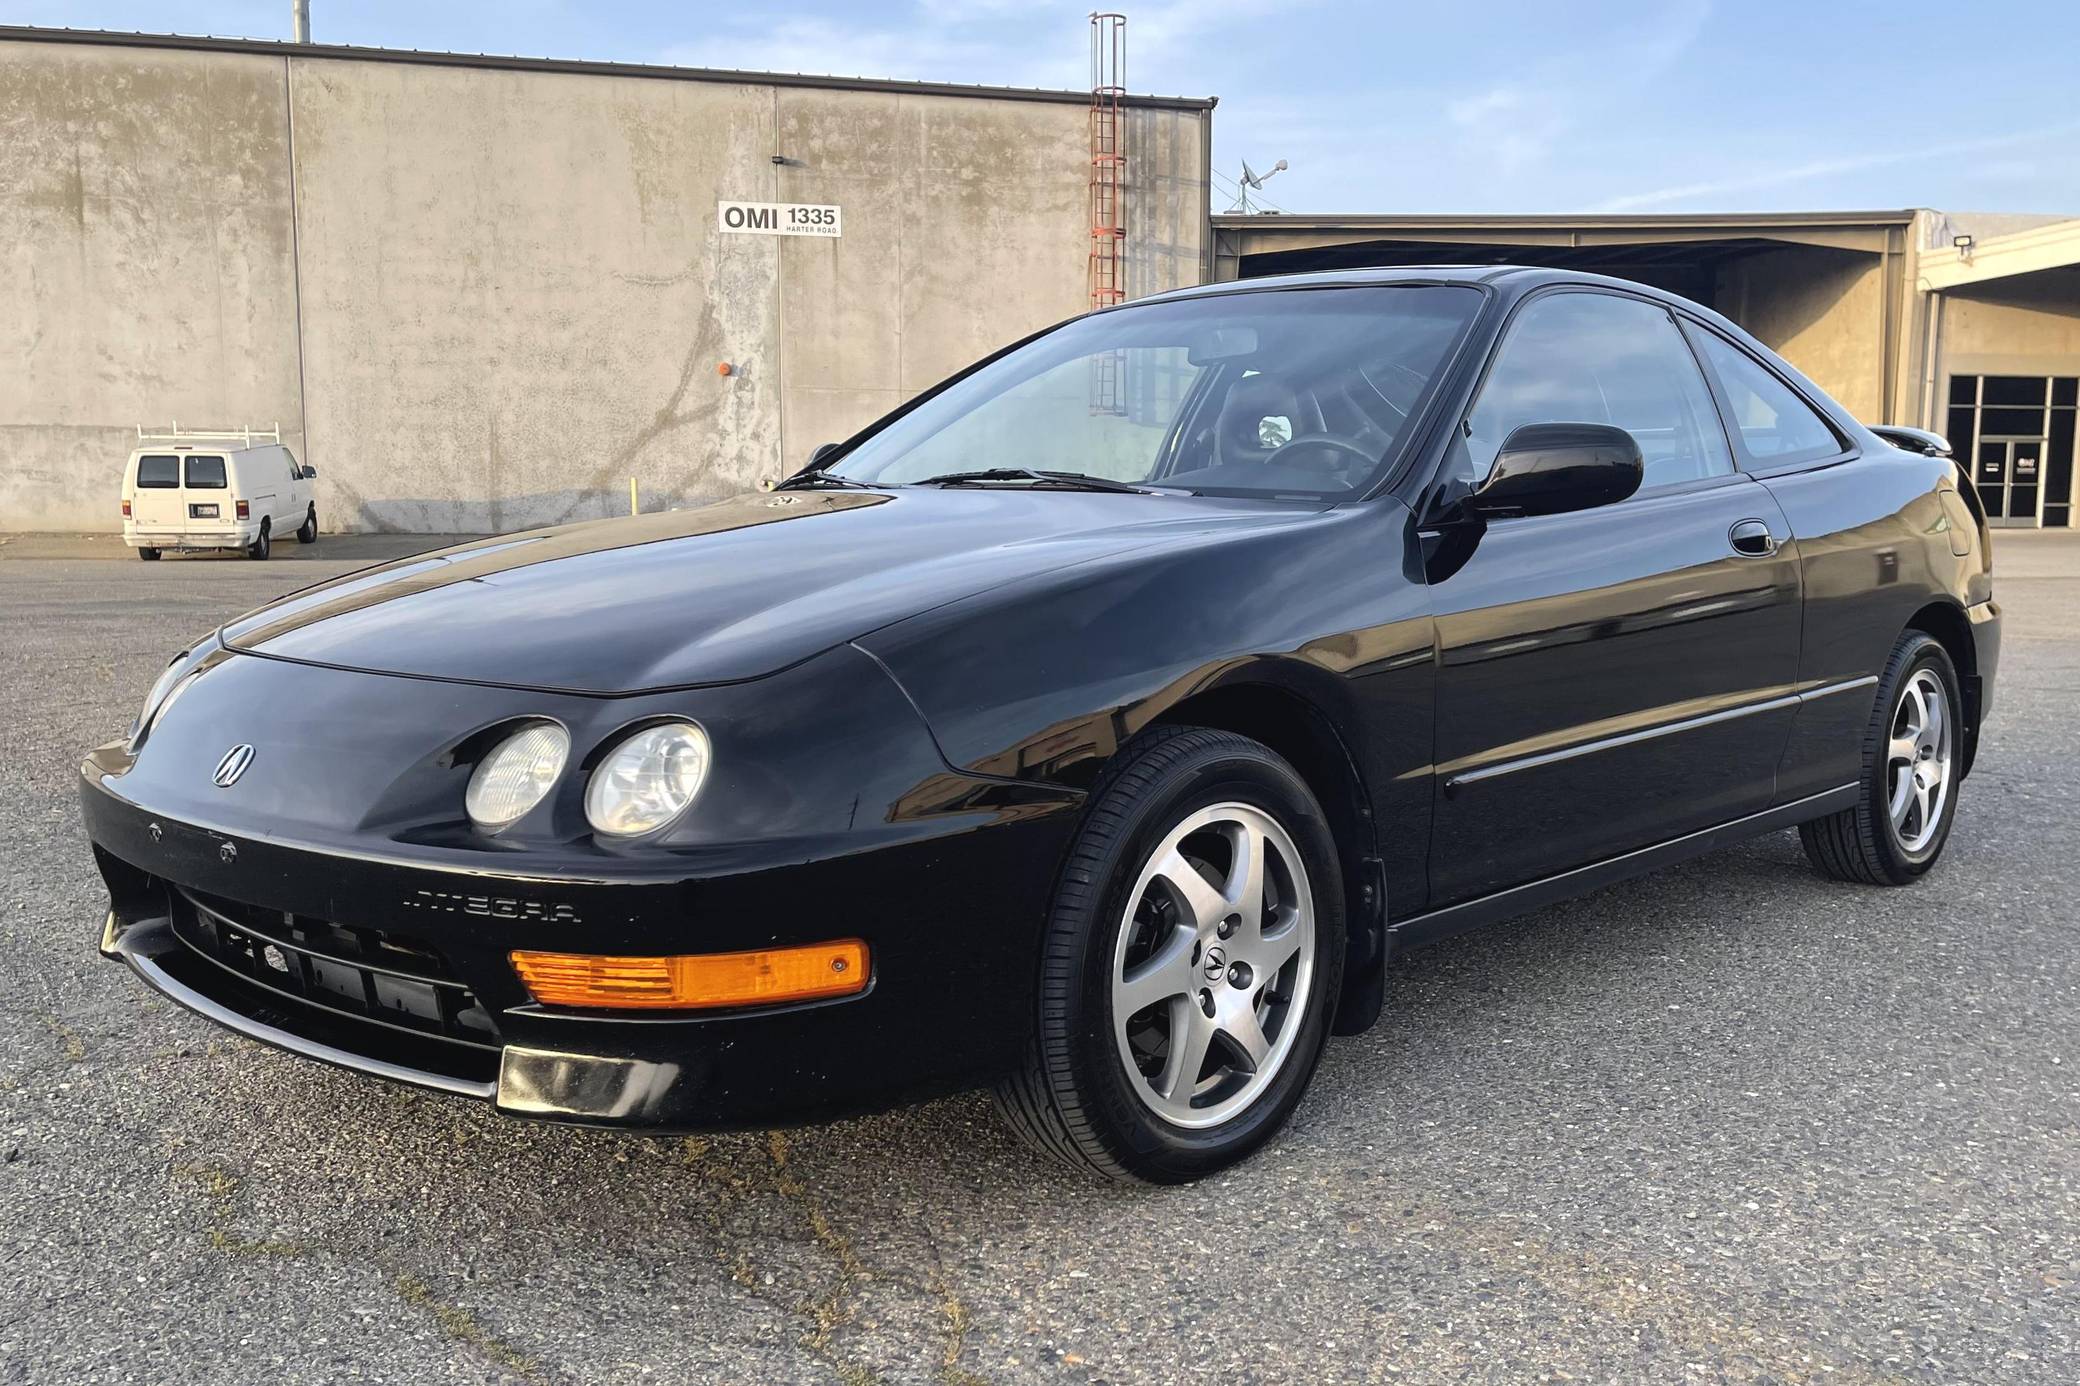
x=1471 y=914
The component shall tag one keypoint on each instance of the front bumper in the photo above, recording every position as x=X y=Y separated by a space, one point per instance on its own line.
x=400 y=970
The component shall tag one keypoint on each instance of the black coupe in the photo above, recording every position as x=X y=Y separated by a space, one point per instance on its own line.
x=1098 y=726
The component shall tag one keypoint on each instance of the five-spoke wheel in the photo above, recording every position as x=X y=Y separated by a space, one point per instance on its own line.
x=1917 y=760
x=1192 y=958
x=1913 y=756
x=1216 y=942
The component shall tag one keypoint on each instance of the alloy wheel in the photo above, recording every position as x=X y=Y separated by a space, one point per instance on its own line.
x=1918 y=761
x=1211 y=972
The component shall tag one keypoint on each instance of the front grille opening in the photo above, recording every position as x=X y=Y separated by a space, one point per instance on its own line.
x=367 y=974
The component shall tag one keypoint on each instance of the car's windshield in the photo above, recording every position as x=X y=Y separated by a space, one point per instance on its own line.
x=1290 y=392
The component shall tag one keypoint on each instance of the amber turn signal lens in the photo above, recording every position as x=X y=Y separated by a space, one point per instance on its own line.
x=695 y=981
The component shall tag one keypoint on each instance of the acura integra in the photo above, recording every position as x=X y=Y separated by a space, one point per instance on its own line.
x=1096 y=728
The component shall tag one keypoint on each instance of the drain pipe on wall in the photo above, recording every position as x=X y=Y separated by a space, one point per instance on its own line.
x=1932 y=409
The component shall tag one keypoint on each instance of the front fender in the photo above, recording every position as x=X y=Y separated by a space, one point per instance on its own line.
x=1042 y=682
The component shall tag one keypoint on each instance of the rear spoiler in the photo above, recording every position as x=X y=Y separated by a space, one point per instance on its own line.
x=1920 y=440
x=1913 y=439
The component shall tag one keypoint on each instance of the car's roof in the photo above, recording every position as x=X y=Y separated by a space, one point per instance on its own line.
x=1509 y=283
x=1517 y=278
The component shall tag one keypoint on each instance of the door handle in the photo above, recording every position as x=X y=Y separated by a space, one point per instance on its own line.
x=1752 y=539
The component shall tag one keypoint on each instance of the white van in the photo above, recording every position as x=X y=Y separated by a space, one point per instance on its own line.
x=215 y=489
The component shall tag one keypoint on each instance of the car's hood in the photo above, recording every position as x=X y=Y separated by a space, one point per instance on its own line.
x=725 y=592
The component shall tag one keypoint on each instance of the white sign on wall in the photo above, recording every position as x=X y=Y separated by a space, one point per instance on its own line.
x=777 y=218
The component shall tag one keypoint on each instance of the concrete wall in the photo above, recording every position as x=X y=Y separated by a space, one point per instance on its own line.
x=501 y=292
x=2025 y=325
x=1821 y=310
x=147 y=264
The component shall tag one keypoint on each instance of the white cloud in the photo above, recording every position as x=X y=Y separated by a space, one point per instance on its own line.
x=1000 y=42
x=1765 y=179
x=1496 y=101
x=916 y=50
x=1515 y=124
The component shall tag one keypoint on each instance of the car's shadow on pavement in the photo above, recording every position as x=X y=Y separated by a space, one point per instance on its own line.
x=1447 y=1005
x=1537 y=1111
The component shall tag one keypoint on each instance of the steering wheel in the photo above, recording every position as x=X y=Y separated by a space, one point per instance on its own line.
x=1325 y=439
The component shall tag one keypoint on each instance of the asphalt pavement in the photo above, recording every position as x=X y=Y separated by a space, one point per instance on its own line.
x=1729 y=1123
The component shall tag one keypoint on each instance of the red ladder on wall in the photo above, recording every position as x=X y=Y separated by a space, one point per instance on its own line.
x=1108 y=252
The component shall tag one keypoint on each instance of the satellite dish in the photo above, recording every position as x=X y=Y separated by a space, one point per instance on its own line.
x=1252 y=179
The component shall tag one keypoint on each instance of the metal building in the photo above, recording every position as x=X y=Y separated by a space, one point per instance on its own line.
x=1966 y=324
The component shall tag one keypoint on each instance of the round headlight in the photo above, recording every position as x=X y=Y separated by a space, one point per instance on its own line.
x=647 y=780
x=516 y=775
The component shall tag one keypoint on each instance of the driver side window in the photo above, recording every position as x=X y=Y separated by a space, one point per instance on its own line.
x=1599 y=358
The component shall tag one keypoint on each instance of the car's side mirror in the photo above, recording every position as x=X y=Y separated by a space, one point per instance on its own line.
x=309 y=471
x=1550 y=469
x=821 y=455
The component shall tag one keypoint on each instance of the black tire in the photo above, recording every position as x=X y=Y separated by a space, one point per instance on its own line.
x=308 y=534
x=1862 y=844
x=262 y=544
x=148 y=555
x=1075 y=1097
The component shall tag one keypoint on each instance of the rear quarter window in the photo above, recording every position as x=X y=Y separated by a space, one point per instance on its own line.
x=1775 y=426
x=206 y=474
x=158 y=473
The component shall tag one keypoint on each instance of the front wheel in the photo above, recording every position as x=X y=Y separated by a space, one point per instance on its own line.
x=1912 y=755
x=309 y=533
x=1192 y=957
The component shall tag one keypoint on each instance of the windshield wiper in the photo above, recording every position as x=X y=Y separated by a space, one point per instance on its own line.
x=805 y=480
x=1076 y=481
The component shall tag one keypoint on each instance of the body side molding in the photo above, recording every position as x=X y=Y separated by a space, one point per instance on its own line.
x=1489 y=772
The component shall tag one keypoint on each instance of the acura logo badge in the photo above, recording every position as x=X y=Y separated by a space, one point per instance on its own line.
x=232 y=766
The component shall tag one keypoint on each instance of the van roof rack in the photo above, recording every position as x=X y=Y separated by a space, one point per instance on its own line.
x=176 y=434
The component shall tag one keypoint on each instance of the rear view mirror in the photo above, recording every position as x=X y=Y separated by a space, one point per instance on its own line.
x=1550 y=469
x=1221 y=344
x=821 y=455
x=309 y=471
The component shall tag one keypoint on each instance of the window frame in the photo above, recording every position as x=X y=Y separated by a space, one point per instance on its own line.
x=1846 y=449
x=1427 y=419
x=223 y=461
x=1676 y=320
x=137 y=481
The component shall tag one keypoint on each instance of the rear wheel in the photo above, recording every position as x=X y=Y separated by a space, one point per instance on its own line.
x=309 y=533
x=1193 y=953
x=262 y=545
x=1912 y=754
x=148 y=555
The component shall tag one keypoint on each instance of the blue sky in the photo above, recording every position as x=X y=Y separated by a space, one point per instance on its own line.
x=1480 y=106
